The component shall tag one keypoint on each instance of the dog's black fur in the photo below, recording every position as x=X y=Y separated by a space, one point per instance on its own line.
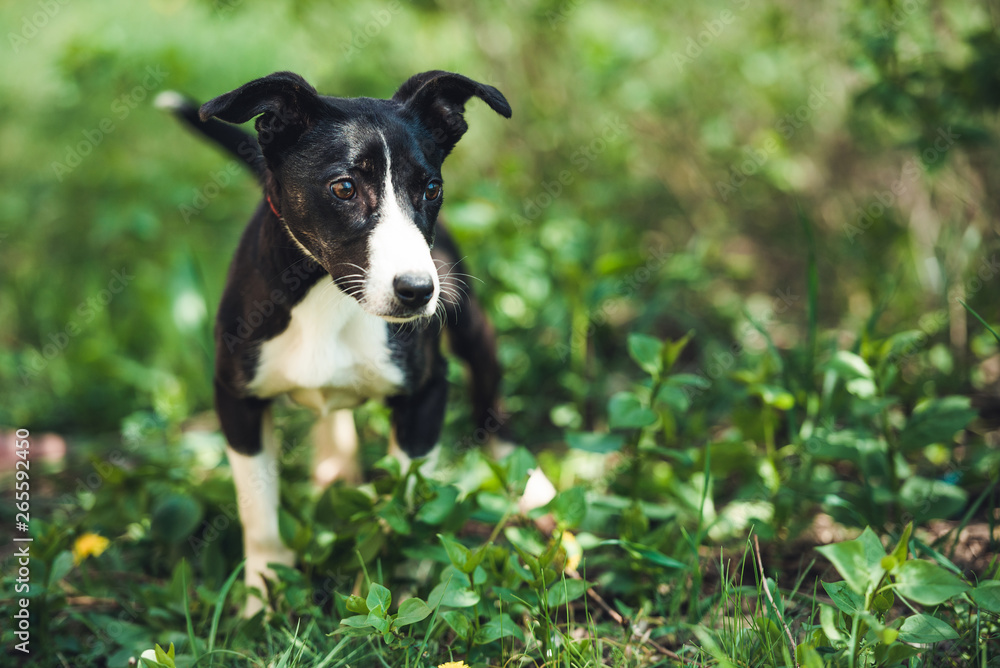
x=303 y=232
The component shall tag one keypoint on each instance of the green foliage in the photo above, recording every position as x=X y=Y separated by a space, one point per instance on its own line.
x=855 y=630
x=374 y=618
x=162 y=659
x=731 y=249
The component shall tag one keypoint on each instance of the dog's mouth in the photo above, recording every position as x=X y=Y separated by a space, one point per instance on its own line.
x=403 y=319
x=398 y=314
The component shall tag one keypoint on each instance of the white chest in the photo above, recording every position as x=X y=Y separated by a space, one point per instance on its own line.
x=332 y=355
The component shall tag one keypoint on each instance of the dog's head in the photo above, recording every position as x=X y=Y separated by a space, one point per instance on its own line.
x=357 y=181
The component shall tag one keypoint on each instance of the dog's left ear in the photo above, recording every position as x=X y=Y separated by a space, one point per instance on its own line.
x=437 y=99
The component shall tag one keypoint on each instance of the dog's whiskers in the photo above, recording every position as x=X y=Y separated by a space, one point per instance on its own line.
x=364 y=272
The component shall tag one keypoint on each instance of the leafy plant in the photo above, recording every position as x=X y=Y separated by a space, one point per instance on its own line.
x=864 y=626
x=373 y=616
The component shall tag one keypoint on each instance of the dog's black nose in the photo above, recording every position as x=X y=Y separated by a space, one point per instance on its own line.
x=413 y=290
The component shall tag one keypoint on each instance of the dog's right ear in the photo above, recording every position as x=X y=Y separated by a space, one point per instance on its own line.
x=286 y=105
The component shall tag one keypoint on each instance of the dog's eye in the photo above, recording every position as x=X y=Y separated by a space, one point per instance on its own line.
x=433 y=190
x=343 y=189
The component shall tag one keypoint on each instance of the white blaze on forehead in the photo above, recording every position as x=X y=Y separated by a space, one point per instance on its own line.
x=396 y=247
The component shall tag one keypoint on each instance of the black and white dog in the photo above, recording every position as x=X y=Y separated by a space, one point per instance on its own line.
x=332 y=295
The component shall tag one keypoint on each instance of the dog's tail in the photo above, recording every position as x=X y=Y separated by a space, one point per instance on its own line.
x=237 y=142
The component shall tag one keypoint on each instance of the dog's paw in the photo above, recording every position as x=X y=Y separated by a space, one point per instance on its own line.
x=257 y=570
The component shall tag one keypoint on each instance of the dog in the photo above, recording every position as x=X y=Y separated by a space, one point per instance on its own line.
x=342 y=283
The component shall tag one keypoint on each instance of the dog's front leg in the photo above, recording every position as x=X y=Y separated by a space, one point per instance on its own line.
x=254 y=453
x=256 y=478
x=417 y=418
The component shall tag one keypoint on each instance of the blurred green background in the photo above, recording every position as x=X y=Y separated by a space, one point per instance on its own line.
x=654 y=178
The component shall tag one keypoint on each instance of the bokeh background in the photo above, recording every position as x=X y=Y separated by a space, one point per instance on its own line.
x=687 y=137
x=782 y=179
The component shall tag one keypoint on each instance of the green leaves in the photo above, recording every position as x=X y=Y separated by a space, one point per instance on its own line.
x=459 y=623
x=846 y=600
x=434 y=512
x=411 y=611
x=857 y=375
x=864 y=598
x=987 y=595
x=61 y=566
x=925 y=630
x=647 y=353
x=928 y=499
x=378 y=599
x=654 y=356
x=863 y=564
x=175 y=517
x=858 y=561
x=160 y=658
x=453 y=592
x=927 y=583
x=570 y=506
x=773 y=395
x=501 y=626
x=647 y=554
x=936 y=421
x=373 y=615
x=564 y=591
x=625 y=411
x=462 y=557
x=599 y=443
x=901 y=551
x=638 y=409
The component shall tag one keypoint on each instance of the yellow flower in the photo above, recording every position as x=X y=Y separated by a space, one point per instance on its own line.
x=453 y=664
x=574 y=553
x=87 y=545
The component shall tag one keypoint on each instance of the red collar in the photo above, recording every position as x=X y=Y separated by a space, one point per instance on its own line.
x=273 y=209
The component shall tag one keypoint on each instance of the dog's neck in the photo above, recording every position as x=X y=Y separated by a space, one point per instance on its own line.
x=286 y=265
